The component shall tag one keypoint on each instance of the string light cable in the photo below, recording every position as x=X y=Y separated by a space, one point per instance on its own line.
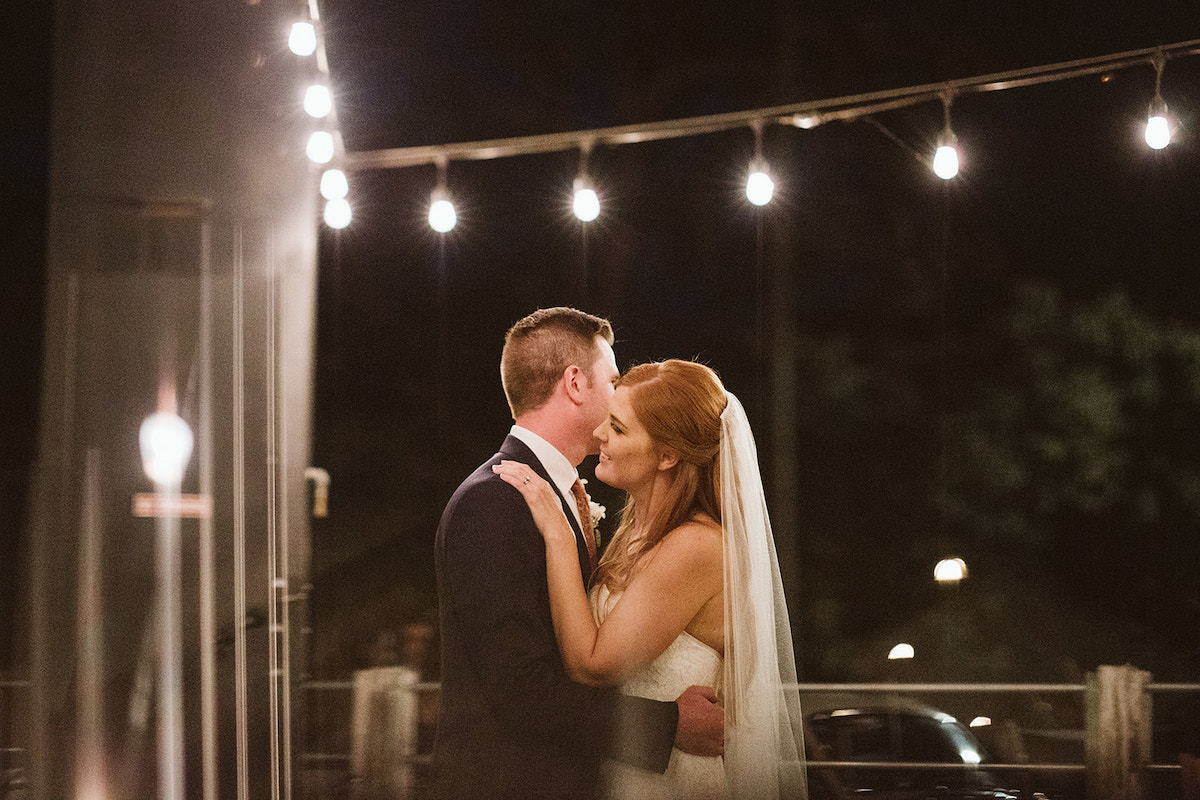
x=805 y=114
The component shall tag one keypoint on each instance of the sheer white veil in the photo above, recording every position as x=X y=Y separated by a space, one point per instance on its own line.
x=764 y=743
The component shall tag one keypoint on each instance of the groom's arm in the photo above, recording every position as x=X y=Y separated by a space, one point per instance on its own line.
x=497 y=587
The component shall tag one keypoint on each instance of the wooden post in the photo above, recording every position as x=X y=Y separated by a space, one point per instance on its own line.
x=1117 y=732
x=385 y=733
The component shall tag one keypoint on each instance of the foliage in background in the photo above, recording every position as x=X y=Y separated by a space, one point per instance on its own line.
x=1052 y=445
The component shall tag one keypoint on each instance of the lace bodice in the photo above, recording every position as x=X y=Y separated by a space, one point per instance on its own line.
x=686 y=662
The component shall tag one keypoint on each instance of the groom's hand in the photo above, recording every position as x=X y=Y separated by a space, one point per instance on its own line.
x=701 y=730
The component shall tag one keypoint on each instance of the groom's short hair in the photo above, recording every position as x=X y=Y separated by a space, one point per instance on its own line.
x=540 y=347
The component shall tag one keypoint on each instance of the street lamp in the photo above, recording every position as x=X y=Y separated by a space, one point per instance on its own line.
x=949 y=571
x=166 y=443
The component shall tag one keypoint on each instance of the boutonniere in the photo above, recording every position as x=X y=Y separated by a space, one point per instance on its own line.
x=595 y=511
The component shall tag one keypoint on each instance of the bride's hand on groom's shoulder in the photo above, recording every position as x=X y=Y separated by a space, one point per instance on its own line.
x=541 y=497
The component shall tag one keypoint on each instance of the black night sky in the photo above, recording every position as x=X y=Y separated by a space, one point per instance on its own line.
x=942 y=336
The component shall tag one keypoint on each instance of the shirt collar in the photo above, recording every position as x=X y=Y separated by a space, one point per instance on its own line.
x=561 y=471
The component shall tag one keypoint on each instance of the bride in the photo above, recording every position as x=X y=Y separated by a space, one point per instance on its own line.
x=688 y=591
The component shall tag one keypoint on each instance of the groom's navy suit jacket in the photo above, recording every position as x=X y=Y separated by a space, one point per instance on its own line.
x=512 y=724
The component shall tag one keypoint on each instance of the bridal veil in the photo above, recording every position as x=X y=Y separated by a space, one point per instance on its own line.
x=764 y=742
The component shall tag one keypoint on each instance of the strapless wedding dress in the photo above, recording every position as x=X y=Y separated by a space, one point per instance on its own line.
x=686 y=662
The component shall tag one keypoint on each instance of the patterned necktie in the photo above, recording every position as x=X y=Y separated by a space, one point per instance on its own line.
x=585 y=520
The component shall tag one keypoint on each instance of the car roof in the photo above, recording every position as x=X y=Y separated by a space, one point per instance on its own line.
x=824 y=703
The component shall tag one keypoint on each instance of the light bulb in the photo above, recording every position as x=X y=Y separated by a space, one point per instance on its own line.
x=586 y=202
x=318 y=101
x=334 y=185
x=945 y=160
x=320 y=147
x=442 y=217
x=901 y=651
x=950 y=570
x=337 y=213
x=1158 y=128
x=303 y=39
x=759 y=186
x=166 y=444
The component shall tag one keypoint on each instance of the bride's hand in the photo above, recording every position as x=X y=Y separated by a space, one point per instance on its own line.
x=543 y=500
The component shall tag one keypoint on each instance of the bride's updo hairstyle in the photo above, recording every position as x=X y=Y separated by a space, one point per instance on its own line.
x=679 y=403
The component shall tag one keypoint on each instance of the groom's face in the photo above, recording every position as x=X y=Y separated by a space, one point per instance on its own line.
x=600 y=390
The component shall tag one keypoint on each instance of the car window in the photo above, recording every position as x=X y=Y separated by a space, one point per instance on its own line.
x=925 y=739
x=856 y=737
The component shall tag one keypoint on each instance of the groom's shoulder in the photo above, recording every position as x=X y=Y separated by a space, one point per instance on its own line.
x=483 y=485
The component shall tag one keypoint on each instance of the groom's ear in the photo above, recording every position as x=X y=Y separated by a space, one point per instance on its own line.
x=667 y=459
x=574 y=382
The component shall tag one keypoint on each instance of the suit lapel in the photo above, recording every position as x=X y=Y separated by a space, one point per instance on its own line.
x=516 y=450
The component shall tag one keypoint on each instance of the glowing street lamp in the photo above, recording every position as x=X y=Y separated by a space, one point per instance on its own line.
x=949 y=571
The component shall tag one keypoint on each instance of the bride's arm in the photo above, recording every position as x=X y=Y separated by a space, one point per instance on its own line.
x=684 y=573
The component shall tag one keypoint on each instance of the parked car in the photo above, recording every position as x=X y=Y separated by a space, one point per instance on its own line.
x=885 y=728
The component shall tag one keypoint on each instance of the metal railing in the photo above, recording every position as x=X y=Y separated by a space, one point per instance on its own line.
x=1028 y=774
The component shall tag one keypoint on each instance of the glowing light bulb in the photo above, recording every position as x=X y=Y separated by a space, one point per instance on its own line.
x=337 y=213
x=945 y=160
x=334 y=185
x=901 y=651
x=318 y=101
x=950 y=570
x=442 y=217
x=303 y=39
x=166 y=443
x=759 y=186
x=320 y=147
x=1158 y=127
x=586 y=202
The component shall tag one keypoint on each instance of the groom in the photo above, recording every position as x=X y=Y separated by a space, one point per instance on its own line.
x=512 y=724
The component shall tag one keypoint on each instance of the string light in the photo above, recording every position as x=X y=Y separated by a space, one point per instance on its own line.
x=321 y=147
x=805 y=115
x=1158 y=127
x=334 y=185
x=302 y=40
x=442 y=216
x=318 y=101
x=337 y=213
x=585 y=202
x=759 y=186
x=945 y=159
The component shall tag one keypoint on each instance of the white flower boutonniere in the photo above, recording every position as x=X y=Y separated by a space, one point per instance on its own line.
x=596 y=512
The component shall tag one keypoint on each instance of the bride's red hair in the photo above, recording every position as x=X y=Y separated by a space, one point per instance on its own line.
x=679 y=403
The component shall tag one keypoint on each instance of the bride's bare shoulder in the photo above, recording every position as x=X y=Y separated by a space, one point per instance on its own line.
x=700 y=532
